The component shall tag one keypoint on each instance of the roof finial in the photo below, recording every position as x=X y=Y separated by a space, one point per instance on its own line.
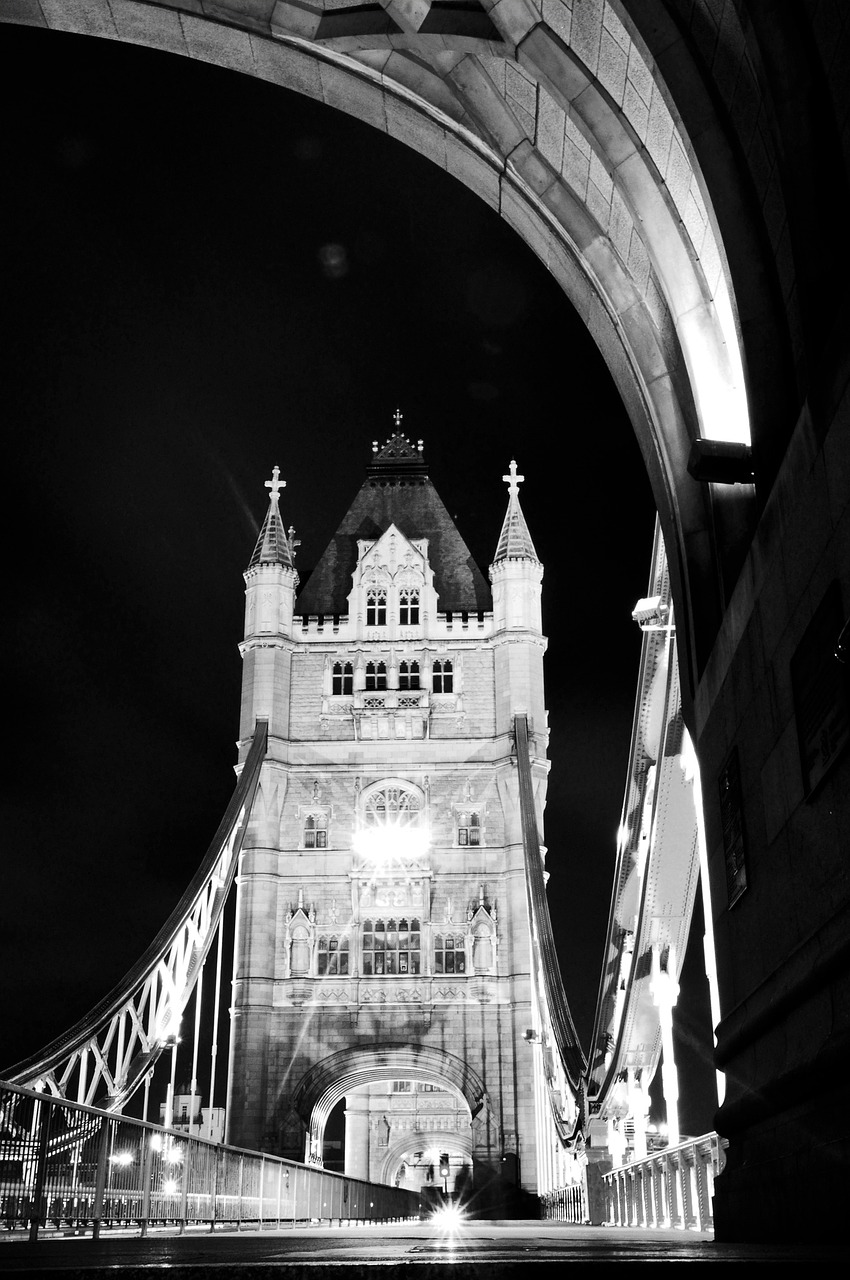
x=275 y=484
x=397 y=417
x=513 y=481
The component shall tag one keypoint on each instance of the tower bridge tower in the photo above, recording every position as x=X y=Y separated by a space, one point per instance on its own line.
x=383 y=948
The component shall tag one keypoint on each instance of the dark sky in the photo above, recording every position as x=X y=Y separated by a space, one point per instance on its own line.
x=204 y=276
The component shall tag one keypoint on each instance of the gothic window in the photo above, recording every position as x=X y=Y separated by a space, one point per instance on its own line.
x=376 y=675
x=376 y=608
x=343 y=678
x=408 y=675
x=390 y=947
x=299 y=952
x=316 y=831
x=391 y=807
x=468 y=829
x=443 y=676
x=333 y=955
x=449 y=956
x=408 y=607
x=402 y=1086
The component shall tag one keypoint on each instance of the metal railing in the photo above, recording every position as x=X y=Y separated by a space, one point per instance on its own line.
x=672 y=1188
x=67 y=1167
x=567 y=1204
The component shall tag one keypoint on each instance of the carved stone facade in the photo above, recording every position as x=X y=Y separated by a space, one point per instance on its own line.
x=382 y=942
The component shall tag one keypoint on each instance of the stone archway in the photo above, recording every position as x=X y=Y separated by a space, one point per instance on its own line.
x=401 y=1149
x=340 y=1074
x=559 y=119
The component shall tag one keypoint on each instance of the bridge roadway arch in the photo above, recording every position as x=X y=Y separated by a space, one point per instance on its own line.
x=678 y=166
x=339 y=1074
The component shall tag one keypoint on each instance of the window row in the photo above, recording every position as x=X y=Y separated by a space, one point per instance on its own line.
x=389 y=948
x=409 y=676
x=408 y=607
x=468 y=830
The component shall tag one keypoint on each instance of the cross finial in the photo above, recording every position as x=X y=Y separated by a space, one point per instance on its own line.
x=513 y=481
x=275 y=484
x=397 y=417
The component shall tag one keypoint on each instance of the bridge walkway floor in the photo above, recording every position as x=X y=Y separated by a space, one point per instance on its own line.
x=416 y=1251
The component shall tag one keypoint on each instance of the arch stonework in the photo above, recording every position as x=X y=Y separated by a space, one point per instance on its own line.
x=397 y=1151
x=678 y=167
x=329 y=1080
x=559 y=121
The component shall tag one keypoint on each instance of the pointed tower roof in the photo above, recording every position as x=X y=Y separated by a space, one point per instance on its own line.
x=397 y=491
x=515 y=540
x=274 y=546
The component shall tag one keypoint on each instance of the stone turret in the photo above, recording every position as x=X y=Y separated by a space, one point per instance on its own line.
x=516 y=575
x=271 y=581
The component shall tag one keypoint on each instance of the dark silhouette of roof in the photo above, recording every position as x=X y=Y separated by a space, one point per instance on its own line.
x=397 y=491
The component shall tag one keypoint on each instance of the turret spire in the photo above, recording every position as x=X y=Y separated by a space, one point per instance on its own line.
x=273 y=545
x=515 y=540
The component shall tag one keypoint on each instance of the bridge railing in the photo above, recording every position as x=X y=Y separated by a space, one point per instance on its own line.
x=67 y=1167
x=670 y=1188
x=567 y=1204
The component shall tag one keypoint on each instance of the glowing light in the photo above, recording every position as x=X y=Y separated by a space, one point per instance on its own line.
x=122 y=1157
x=169 y=1186
x=382 y=844
x=688 y=758
x=450 y=1217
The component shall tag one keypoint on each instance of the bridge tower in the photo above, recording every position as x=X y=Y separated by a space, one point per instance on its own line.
x=384 y=950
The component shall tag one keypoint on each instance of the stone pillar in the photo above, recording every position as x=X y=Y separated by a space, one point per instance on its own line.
x=357 y=1136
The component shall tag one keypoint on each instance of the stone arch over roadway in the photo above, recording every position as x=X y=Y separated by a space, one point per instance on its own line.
x=329 y=1080
x=322 y=1087
x=450 y=1142
x=557 y=115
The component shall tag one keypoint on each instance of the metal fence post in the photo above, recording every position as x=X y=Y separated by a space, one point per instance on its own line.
x=40 y=1168
x=100 y=1178
x=214 y=1205
x=147 y=1173
x=184 y=1190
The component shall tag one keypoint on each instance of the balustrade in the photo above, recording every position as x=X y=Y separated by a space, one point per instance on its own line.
x=670 y=1188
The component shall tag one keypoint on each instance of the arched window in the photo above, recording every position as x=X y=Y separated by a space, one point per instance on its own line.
x=343 y=678
x=408 y=607
x=376 y=676
x=390 y=947
x=408 y=675
x=443 y=676
x=299 y=952
x=316 y=831
x=449 y=955
x=333 y=955
x=392 y=807
x=376 y=608
x=468 y=829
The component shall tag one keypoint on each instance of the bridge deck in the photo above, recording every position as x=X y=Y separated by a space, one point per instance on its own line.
x=391 y=1252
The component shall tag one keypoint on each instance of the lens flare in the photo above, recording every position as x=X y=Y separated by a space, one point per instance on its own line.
x=449 y=1217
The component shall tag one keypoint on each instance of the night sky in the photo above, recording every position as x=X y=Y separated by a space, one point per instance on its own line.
x=205 y=276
